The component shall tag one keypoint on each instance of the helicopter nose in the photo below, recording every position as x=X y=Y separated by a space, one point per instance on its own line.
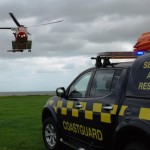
x=22 y=36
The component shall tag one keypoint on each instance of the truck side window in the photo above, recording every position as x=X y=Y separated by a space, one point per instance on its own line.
x=115 y=78
x=79 y=87
x=102 y=83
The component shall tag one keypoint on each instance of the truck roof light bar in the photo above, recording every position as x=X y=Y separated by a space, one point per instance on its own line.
x=118 y=55
x=106 y=56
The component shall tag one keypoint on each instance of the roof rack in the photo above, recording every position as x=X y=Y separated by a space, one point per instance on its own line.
x=106 y=56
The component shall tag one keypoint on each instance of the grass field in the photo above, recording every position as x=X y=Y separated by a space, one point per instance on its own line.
x=20 y=122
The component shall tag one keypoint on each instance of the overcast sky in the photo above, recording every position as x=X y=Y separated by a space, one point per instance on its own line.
x=61 y=51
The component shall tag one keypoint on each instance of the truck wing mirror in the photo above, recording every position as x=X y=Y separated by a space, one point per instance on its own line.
x=61 y=92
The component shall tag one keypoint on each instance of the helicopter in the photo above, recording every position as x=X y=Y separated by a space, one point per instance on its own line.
x=20 y=32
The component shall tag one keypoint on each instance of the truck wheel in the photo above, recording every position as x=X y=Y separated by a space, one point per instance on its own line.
x=135 y=146
x=50 y=134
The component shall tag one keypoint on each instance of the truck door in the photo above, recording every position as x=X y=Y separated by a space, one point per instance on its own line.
x=102 y=105
x=72 y=109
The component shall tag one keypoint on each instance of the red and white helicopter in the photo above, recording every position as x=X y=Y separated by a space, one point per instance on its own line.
x=21 y=41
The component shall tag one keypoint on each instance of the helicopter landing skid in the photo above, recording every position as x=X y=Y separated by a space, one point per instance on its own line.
x=18 y=50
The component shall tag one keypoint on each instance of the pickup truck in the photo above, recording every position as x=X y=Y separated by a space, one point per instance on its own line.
x=106 y=107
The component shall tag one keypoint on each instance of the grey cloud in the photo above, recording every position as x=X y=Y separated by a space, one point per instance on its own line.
x=89 y=27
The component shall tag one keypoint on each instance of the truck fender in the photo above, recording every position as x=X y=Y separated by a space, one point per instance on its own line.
x=49 y=111
x=126 y=132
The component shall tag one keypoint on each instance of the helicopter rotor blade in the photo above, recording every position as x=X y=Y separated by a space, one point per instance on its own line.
x=5 y=28
x=29 y=33
x=14 y=19
x=48 y=23
x=11 y=28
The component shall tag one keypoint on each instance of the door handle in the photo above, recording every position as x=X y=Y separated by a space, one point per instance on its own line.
x=78 y=106
x=109 y=107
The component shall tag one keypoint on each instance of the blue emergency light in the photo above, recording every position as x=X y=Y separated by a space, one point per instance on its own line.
x=139 y=53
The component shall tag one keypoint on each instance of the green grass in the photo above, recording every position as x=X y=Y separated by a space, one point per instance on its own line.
x=20 y=122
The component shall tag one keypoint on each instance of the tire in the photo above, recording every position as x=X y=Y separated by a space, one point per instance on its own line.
x=136 y=146
x=50 y=135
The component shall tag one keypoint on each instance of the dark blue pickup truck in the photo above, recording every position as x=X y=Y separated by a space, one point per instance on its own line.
x=105 y=107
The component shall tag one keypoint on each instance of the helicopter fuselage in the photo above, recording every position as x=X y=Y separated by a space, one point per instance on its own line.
x=21 y=35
